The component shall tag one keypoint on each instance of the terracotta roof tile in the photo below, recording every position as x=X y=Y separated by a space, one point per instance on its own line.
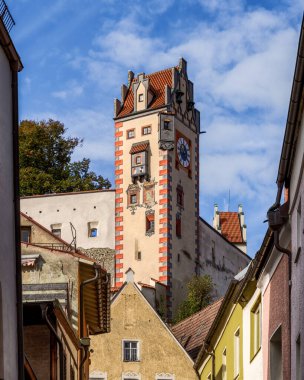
x=158 y=82
x=192 y=331
x=139 y=147
x=231 y=227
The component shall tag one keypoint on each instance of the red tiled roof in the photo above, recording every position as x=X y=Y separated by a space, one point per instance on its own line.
x=231 y=227
x=139 y=147
x=158 y=83
x=192 y=331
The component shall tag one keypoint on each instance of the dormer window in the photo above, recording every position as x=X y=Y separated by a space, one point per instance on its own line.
x=139 y=160
x=141 y=97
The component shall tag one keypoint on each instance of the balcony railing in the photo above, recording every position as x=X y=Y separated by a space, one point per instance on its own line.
x=6 y=16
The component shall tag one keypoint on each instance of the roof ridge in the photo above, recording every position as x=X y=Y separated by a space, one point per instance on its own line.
x=155 y=72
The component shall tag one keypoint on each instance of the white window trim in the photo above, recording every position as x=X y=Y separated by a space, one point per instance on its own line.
x=130 y=375
x=96 y=375
x=138 y=350
x=236 y=371
x=164 y=376
x=224 y=355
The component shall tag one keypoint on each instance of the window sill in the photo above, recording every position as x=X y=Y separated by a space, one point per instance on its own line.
x=131 y=361
x=255 y=354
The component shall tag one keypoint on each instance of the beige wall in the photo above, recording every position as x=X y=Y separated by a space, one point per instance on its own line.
x=134 y=319
x=78 y=208
x=7 y=226
x=134 y=225
x=54 y=267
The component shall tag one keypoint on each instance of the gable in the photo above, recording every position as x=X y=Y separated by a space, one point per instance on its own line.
x=132 y=318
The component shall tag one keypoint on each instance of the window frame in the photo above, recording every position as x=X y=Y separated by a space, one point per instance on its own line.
x=255 y=328
x=146 y=127
x=132 y=130
x=138 y=350
x=224 y=365
x=27 y=229
x=236 y=353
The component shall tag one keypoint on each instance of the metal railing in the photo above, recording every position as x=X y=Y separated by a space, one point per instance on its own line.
x=57 y=246
x=6 y=16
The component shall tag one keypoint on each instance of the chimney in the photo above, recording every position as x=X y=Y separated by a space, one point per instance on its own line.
x=216 y=218
x=242 y=222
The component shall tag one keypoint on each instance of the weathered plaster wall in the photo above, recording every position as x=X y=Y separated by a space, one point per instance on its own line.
x=218 y=258
x=80 y=209
x=54 y=267
x=7 y=225
x=134 y=319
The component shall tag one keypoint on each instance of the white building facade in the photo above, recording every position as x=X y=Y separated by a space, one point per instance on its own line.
x=91 y=214
x=11 y=354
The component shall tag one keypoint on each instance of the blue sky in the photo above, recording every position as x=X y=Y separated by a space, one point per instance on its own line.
x=241 y=57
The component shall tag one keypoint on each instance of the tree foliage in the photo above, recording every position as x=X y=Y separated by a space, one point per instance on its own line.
x=199 y=296
x=45 y=155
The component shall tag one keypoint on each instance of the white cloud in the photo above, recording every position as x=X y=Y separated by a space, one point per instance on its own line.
x=73 y=90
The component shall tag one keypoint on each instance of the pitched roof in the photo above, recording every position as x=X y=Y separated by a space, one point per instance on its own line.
x=192 y=331
x=231 y=227
x=139 y=147
x=158 y=82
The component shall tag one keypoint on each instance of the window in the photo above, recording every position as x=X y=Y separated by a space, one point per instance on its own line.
x=276 y=355
x=166 y=124
x=56 y=232
x=150 y=223
x=93 y=232
x=26 y=234
x=138 y=255
x=224 y=365
x=298 y=359
x=237 y=353
x=130 y=351
x=180 y=196
x=133 y=199
x=138 y=160
x=255 y=328
x=209 y=377
x=146 y=130
x=178 y=225
x=130 y=133
x=141 y=97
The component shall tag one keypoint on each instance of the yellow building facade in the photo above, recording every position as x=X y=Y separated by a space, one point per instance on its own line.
x=140 y=345
x=221 y=356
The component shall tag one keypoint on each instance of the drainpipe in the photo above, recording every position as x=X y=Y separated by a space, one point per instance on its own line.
x=85 y=341
x=212 y=354
x=50 y=326
x=15 y=120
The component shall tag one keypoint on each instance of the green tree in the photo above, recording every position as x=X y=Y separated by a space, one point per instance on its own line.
x=199 y=296
x=45 y=161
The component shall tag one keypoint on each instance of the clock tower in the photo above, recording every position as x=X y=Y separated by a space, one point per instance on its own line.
x=157 y=181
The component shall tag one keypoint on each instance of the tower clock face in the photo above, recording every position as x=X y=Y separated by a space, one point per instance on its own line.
x=183 y=152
